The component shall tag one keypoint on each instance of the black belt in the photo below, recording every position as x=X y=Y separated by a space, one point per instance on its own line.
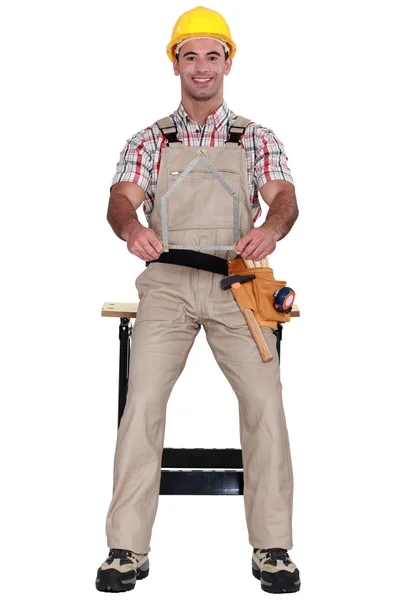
x=192 y=258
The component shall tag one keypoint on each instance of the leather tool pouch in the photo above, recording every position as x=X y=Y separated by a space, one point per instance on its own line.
x=259 y=293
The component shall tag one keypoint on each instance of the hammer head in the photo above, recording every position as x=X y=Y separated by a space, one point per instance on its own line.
x=227 y=281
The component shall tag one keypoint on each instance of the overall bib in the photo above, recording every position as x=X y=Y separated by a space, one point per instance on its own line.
x=175 y=301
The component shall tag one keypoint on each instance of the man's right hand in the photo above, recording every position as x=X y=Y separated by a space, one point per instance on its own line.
x=143 y=242
x=125 y=199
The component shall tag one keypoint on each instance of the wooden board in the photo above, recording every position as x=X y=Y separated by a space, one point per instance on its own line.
x=119 y=309
x=129 y=310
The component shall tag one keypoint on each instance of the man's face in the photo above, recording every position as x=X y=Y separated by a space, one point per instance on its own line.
x=202 y=67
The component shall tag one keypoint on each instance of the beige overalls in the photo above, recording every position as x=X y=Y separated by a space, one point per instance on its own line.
x=175 y=301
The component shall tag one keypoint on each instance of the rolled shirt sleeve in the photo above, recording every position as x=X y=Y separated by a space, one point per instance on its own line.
x=135 y=163
x=270 y=159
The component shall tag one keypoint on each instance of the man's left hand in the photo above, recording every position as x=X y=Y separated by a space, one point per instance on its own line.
x=256 y=244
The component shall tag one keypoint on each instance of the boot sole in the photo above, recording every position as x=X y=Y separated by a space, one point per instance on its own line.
x=114 y=581
x=283 y=582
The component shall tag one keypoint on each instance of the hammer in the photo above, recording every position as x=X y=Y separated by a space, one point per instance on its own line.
x=235 y=282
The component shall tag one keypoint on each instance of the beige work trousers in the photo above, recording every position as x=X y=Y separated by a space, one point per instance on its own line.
x=175 y=301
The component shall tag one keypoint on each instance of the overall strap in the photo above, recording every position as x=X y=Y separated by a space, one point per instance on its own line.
x=236 y=131
x=168 y=130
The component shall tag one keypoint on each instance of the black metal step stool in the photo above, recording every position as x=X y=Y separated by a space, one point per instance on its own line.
x=198 y=482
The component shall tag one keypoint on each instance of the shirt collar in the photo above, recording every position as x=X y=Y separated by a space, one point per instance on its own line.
x=217 y=119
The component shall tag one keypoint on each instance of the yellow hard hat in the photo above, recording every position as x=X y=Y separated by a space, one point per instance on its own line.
x=200 y=22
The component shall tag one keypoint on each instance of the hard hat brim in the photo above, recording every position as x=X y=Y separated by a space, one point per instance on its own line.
x=172 y=45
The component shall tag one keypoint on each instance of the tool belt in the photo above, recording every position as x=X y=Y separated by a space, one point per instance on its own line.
x=256 y=294
x=194 y=259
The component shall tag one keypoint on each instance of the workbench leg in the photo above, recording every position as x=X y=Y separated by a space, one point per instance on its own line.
x=124 y=353
x=278 y=335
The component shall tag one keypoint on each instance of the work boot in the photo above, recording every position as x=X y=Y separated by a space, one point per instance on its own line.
x=120 y=570
x=277 y=573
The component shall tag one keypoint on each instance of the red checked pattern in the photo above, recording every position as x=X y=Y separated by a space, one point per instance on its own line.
x=265 y=154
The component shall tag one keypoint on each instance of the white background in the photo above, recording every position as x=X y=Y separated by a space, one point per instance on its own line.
x=79 y=78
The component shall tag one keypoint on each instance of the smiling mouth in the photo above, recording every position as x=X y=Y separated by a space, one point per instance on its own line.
x=201 y=80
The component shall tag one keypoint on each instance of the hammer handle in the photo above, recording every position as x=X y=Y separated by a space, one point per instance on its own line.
x=257 y=335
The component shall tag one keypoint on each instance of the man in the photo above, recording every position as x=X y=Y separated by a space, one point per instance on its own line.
x=189 y=208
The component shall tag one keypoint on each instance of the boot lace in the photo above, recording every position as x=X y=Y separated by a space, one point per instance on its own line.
x=125 y=556
x=272 y=555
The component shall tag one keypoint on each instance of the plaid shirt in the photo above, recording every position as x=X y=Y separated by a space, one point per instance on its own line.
x=265 y=155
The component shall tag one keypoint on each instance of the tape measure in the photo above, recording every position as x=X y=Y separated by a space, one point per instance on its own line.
x=284 y=299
